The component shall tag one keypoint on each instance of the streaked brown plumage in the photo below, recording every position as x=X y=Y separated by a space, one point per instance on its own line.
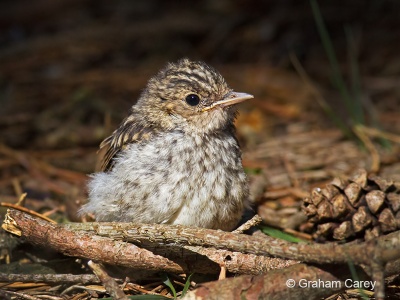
x=175 y=158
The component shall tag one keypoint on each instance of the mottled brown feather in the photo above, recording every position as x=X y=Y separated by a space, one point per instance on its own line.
x=164 y=96
x=130 y=131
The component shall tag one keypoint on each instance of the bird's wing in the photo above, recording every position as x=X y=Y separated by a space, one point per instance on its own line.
x=130 y=131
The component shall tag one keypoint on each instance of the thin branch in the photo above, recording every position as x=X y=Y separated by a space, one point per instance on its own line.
x=375 y=158
x=85 y=245
x=49 y=278
x=182 y=258
x=254 y=221
x=294 y=282
x=75 y=242
x=383 y=247
x=26 y=210
x=109 y=283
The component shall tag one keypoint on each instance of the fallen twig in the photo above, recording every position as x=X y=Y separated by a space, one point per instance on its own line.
x=109 y=283
x=26 y=210
x=85 y=245
x=249 y=224
x=70 y=239
x=49 y=278
x=88 y=245
x=385 y=247
x=295 y=282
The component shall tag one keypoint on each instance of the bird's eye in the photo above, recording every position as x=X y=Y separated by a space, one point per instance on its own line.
x=192 y=99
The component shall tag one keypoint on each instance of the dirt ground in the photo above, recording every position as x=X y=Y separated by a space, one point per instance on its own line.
x=70 y=71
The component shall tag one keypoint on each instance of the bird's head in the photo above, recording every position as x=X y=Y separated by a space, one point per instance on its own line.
x=190 y=95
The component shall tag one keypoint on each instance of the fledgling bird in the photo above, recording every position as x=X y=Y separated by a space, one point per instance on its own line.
x=175 y=159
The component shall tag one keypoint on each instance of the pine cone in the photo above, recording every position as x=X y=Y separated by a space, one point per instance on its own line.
x=361 y=207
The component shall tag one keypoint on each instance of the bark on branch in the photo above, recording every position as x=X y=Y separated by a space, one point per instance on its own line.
x=384 y=249
x=85 y=245
x=294 y=282
x=183 y=247
x=91 y=246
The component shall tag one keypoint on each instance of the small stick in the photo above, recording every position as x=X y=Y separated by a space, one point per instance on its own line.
x=109 y=283
x=49 y=278
x=26 y=210
x=375 y=158
x=254 y=221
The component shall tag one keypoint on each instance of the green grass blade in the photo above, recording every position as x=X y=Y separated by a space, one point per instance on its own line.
x=355 y=277
x=337 y=75
x=168 y=283
x=143 y=297
x=355 y=75
x=279 y=234
x=321 y=101
x=187 y=285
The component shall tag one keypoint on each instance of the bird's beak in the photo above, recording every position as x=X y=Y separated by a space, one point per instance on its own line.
x=229 y=99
